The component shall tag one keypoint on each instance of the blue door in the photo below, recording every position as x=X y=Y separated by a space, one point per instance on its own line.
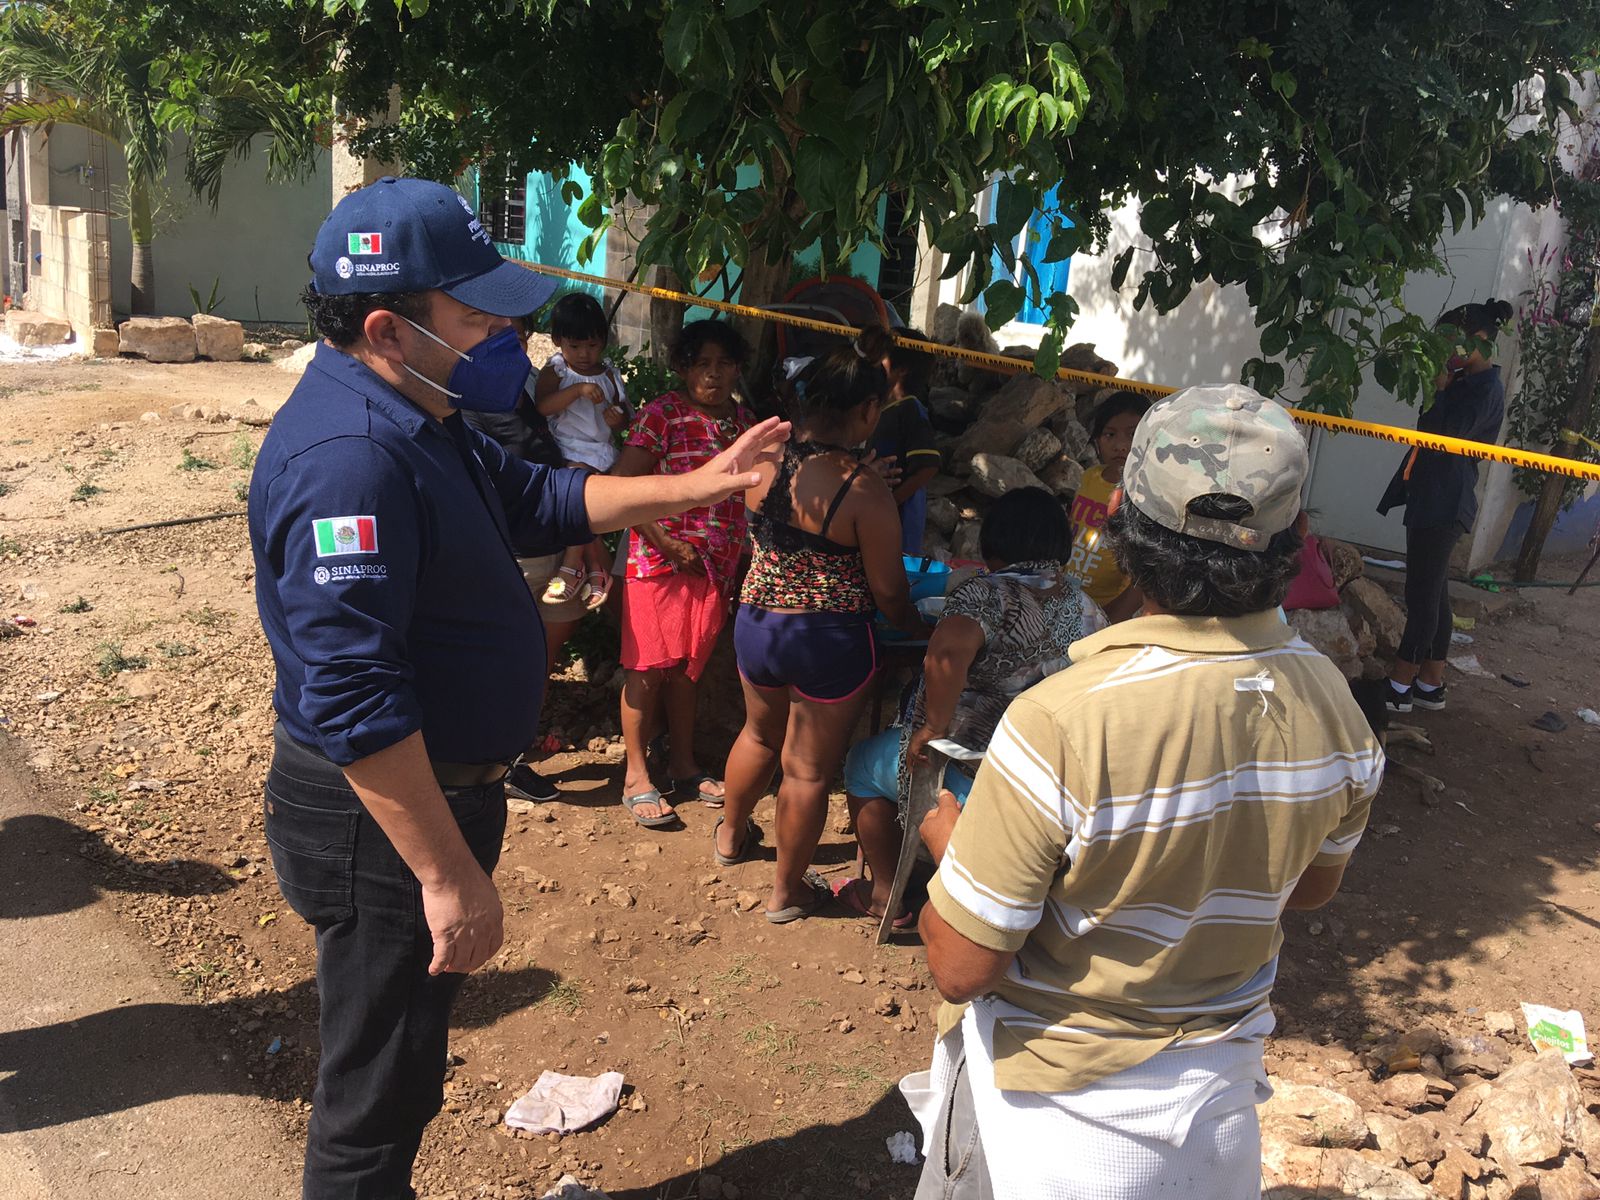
x=1034 y=239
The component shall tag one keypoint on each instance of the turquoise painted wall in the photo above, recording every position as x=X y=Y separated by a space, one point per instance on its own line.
x=552 y=231
x=865 y=263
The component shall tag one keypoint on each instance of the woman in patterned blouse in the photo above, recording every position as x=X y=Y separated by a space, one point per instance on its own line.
x=1000 y=633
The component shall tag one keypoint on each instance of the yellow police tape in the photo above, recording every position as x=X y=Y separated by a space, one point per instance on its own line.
x=1486 y=451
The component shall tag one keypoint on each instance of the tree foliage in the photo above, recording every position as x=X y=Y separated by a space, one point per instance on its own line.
x=1313 y=151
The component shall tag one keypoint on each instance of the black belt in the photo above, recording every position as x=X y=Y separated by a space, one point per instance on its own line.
x=466 y=775
x=449 y=775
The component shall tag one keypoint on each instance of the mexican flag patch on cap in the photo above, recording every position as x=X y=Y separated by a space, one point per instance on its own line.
x=346 y=535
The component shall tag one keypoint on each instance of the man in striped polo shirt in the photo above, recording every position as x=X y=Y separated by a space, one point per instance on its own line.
x=1105 y=919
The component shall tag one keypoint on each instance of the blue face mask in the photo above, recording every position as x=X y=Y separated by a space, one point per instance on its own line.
x=489 y=378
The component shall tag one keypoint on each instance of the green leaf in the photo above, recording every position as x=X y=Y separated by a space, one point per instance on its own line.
x=1047 y=359
x=1158 y=215
x=1119 y=268
x=1015 y=99
x=825 y=37
x=591 y=212
x=667 y=122
x=1031 y=286
x=1013 y=207
x=991 y=95
x=819 y=173
x=1265 y=377
x=699 y=114
x=682 y=34
x=591 y=243
x=1386 y=371
x=734 y=9
x=826 y=124
x=1004 y=248
x=976 y=279
x=1274 y=340
x=959 y=231
x=1002 y=301
x=1065 y=241
x=1028 y=120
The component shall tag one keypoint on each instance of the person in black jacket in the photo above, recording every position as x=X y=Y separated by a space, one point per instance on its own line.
x=1439 y=493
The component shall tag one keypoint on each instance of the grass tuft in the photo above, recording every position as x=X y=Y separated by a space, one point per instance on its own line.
x=113 y=661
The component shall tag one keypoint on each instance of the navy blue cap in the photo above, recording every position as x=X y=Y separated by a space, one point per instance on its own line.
x=414 y=235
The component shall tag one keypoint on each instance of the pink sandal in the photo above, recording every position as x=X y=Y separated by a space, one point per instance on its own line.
x=848 y=894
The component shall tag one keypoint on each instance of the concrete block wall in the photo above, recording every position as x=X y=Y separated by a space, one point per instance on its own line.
x=72 y=279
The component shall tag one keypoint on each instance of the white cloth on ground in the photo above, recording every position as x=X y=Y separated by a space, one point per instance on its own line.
x=580 y=429
x=565 y=1103
x=1182 y=1123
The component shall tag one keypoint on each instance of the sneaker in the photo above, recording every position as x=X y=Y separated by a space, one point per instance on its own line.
x=527 y=784
x=1399 y=699
x=1429 y=698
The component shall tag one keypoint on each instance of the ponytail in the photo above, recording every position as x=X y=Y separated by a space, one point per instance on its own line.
x=1485 y=319
x=847 y=378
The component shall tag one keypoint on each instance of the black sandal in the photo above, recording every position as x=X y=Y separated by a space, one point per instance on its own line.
x=752 y=837
x=821 y=893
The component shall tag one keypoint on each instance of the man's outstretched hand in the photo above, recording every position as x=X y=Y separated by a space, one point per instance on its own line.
x=734 y=469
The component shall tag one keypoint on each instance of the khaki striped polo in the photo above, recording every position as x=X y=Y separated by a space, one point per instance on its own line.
x=1137 y=825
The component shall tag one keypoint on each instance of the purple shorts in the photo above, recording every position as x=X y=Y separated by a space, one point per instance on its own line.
x=823 y=656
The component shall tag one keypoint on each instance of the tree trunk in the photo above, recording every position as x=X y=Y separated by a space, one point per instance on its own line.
x=666 y=317
x=761 y=283
x=143 y=267
x=1576 y=417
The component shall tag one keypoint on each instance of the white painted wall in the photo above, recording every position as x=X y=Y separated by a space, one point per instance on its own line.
x=1349 y=472
x=1208 y=338
x=255 y=242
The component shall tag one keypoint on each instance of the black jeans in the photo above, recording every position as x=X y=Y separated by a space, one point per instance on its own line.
x=384 y=1020
x=1429 y=620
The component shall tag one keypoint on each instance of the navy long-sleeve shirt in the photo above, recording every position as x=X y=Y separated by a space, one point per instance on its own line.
x=385 y=575
x=1443 y=488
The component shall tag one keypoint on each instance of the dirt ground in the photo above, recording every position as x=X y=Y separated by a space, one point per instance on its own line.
x=763 y=1056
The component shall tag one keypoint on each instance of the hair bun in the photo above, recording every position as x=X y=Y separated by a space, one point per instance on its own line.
x=873 y=342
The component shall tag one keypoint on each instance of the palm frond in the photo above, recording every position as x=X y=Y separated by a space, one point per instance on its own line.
x=242 y=104
x=64 y=59
x=58 y=110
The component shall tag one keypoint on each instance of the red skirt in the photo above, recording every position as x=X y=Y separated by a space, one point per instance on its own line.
x=671 y=620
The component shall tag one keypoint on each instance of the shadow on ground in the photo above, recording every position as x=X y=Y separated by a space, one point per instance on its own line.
x=817 y=1161
x=43 y=872
x=108 y=1061
x=1475 y=898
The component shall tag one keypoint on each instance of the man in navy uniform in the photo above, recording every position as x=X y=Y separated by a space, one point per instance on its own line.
x=410 y=657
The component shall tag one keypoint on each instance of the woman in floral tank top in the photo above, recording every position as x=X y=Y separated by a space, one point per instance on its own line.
x=825 y=555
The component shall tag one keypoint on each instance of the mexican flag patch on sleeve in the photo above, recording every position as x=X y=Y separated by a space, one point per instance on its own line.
x=345 y=535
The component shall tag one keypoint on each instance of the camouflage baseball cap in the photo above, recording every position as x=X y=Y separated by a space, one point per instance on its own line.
x=1209 y=441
